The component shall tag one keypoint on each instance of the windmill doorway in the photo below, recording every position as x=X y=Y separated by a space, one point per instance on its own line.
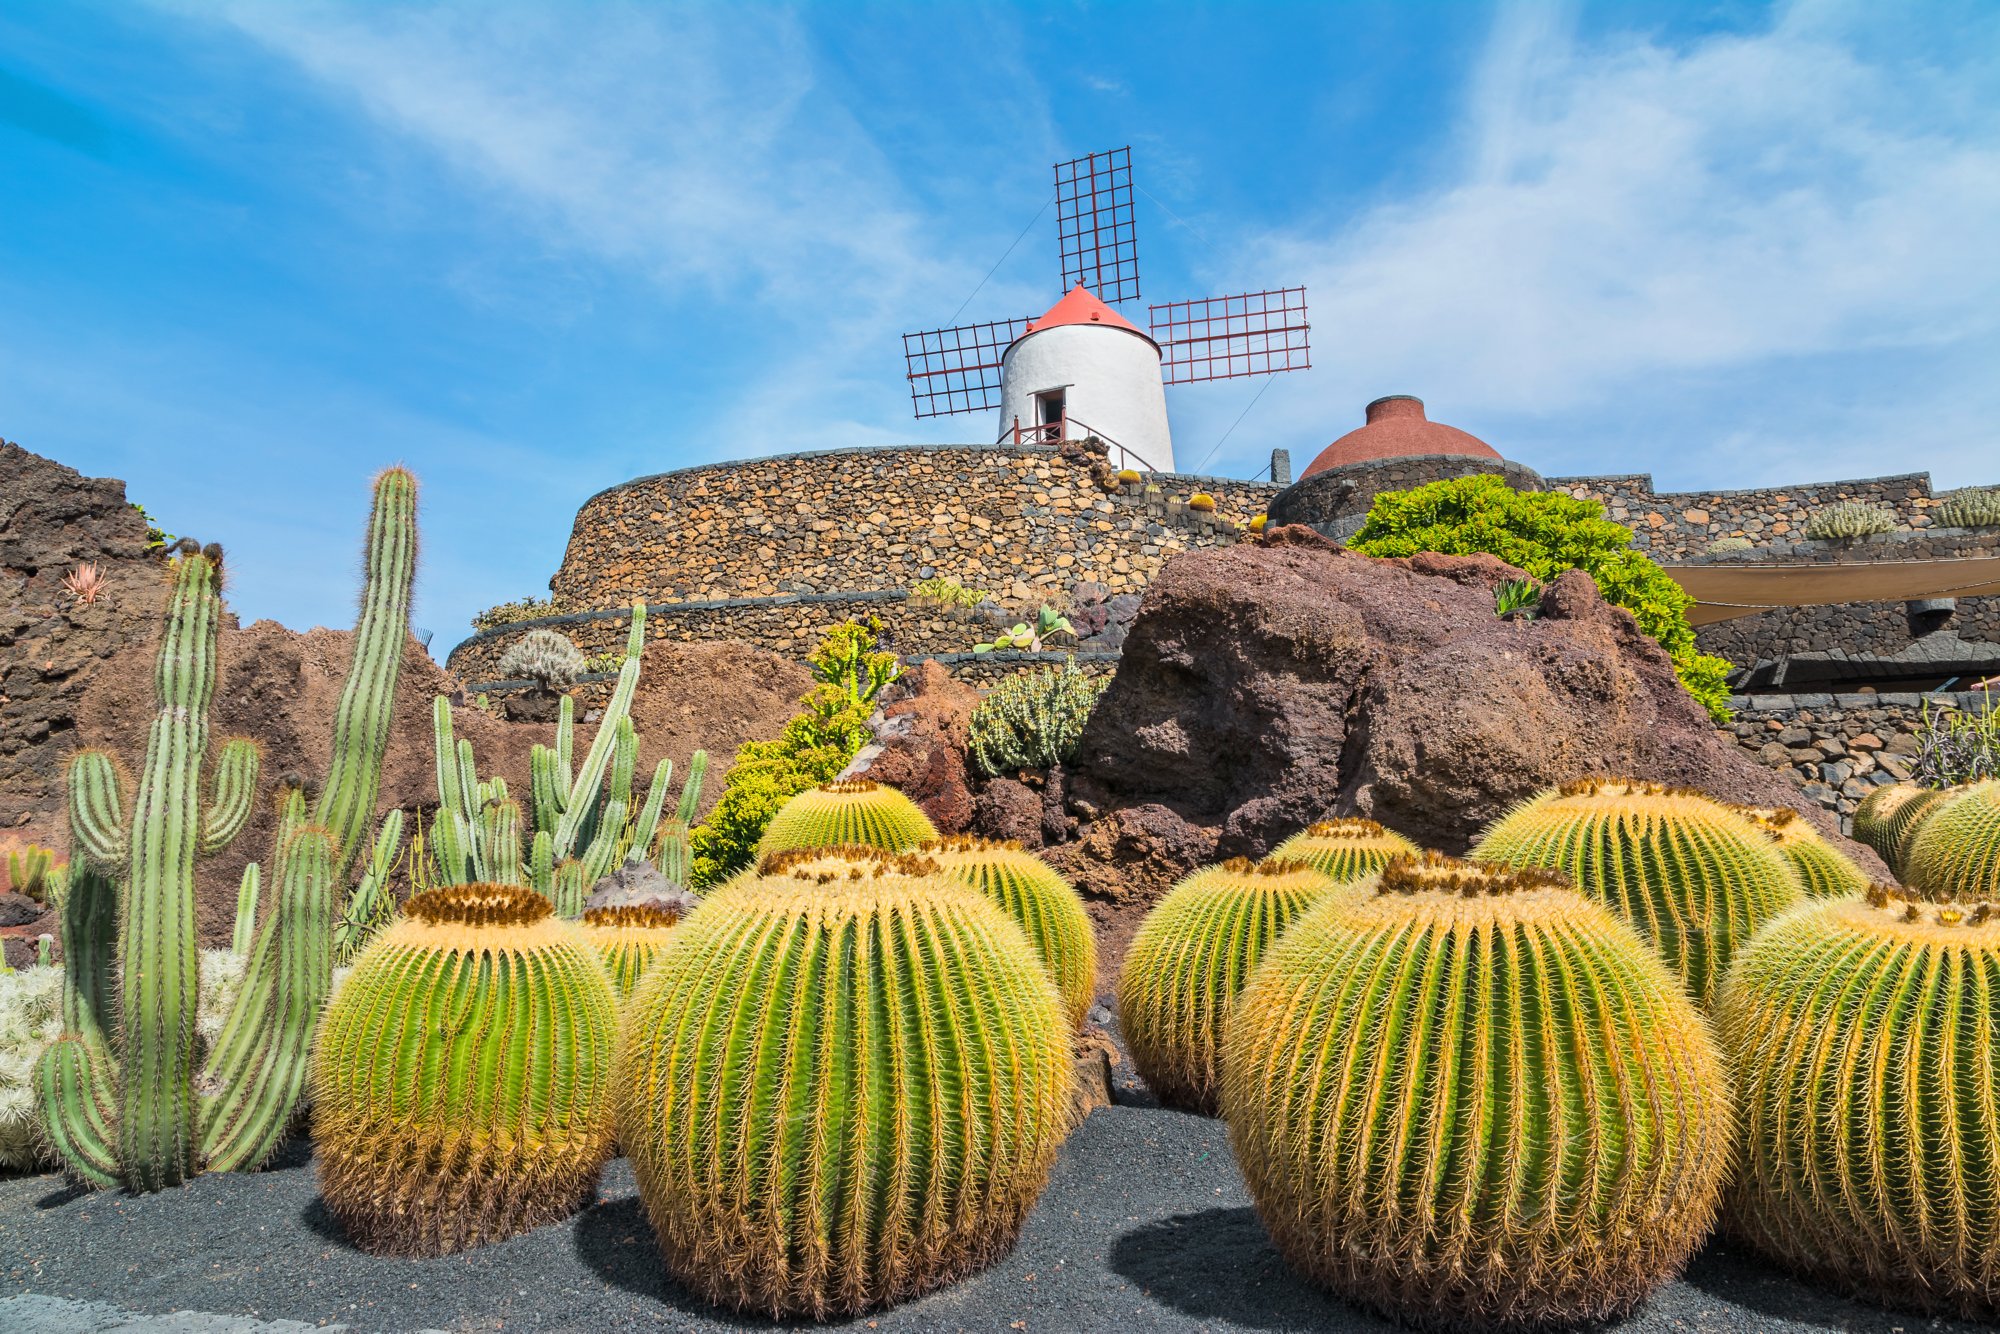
x=1050 y=414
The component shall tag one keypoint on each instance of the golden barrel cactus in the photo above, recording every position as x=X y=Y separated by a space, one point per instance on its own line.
x=1956 y=850
x=1888 y=819
x=1190 y=958
x=1824 y=871
x=1691 y=875
x=1345 y=850
x=462 y=1078
x=847 y=811
x=842 y=1087
x=1865 y=1033
x=1475 y=1099
x=1039 y=900
x=629 y=940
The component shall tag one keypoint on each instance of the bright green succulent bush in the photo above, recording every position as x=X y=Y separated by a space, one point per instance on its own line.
x=1032 y=720
x=1545 y=533
x=462 y=1083
x=1865 y=1035
x=1849 y=519
x=1956 y=851
x=523 y=609
x=947 y=592
x=1470 y=1098
x=1971 y=507
x=1040 y=901
x=843 y=1086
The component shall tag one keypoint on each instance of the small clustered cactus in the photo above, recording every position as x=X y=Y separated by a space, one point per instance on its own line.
x=1824 y=871
x=843 y=1086
x=1956 y=851
x=30 y=1020
x=1033 y=720
x=1691 y=875
x=1190 y=958
x=1865 y=1033
x=1345 y=850
x=1041 y=902
x=1889 y=818
x=543 y=656
x=1971 y=507
x=847 y=811
x=462 y=1085
x=1474 y=1099
x=1850 y=519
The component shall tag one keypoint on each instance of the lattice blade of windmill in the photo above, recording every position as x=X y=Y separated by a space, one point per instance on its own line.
x=958 y=369
x=1227 y=337
x=1094 y=225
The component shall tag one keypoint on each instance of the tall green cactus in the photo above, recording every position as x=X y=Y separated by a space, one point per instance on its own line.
x=1473 y=1099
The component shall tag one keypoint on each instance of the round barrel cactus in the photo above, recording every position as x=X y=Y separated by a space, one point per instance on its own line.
x=847 y=811
x=843 y=1086
x=629 y=940
x=1888 y=819
x=462 y=1079
x=1039 y=900
x=1691 y=875
x=1865 y=1035
x=1346 y=849
x=1190 y=958
x=1956 y=850
x=1824 y=871
x=1473 y=1098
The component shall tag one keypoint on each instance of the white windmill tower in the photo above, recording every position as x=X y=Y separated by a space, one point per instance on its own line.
x=1082 y=369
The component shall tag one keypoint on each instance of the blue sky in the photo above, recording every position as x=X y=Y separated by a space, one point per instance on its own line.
x=251 y=252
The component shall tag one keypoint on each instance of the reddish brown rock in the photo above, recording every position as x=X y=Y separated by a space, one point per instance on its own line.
x=1008 y=809
x=923 y=739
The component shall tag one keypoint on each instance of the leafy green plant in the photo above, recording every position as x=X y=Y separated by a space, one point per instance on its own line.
x=1518 y=599
x=1032 y=721
x=1957 y=745
x=1848 y=520
x=1545 y=533
x=1048 y=621
x=1971 y=507
x=158 y=539
x=522 y=609
x=947 y=592
x=604 y=662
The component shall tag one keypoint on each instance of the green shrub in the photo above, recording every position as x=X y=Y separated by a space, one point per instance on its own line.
x=1849 y=519
x=1545 y=533
x=523 y=609
x=1033 y=721
x=1971 y=507
x=1722 y=544
x=814 y=747
x=947 y=592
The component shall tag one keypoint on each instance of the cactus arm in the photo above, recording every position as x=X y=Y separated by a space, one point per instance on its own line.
x=566 y=739
x=98 y=821
x=246 y=909
x=544 y=789
x=78 y=1108
x=234 y=794
x=90 y=940
x=352 y=931
x=541 y=864
x=591 y=775
x=691 y=786
x=258 y=1067
x=649 y=812
x=448 y=843
x=362 y=719
x=570 y=889
x=445 y=744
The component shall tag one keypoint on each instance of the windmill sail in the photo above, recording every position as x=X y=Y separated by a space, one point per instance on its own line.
x=958 y=369
x=1094 y=225
x=1226 y=337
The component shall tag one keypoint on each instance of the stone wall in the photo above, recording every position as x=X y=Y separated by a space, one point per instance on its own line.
x=1857 y=627
x=1335 y=502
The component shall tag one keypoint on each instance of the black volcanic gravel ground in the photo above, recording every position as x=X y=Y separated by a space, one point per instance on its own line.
x=1145 y=1226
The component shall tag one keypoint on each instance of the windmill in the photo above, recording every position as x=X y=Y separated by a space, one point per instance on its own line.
x=1083 y=369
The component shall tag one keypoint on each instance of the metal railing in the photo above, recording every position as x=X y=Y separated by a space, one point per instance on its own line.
x=1067 y=427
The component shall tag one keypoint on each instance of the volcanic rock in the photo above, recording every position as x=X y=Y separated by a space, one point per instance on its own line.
x=921 y=744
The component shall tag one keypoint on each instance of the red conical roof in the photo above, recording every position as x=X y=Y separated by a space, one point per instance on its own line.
x=1080 y=307
x=1397 y=428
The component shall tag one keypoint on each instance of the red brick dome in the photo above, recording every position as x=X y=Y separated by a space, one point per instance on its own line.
x=1397 y=428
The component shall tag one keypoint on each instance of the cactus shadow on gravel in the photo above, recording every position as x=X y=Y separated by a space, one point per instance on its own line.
x=1730 y=1272
x=1219 y=1264
x=615 y=1241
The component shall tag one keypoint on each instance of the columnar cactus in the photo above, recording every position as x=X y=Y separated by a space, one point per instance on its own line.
x=1824 y=871
x=1865 y=1033
x=1039 y=900
x=847 y=811
x=1191 y=957
x=462 y=1084
x=1474 y=1099
x=1346 y=849
x=1690 y=874
x=629 y=941
x=842 y=1087
x=1888 y=819
x=1956 y=851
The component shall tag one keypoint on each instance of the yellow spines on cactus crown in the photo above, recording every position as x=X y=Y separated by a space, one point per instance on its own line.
x=629 y=940
x=1824 y=871
x=1865 y=1035
x=1889 y=819
x=852 y=810
x=462 y=1079
x=1956 y=849
x=1345 y=849
x=1044 y=904
x=1191 y=956
x=1475 y=1099
x=843 y=1086
x=1692 y=876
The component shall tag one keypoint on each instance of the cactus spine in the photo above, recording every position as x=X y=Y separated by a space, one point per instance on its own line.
x=1866 y=1038
x=1345 y=850
x=629 y=942
x=1888 y=819
x=1956 y=850
x=1690 y=874
x=847 y=811
x=1474 y=1099
x=1824 y=871
x=842 y=1087
x=1191 y=957
x=462 y=1085
x=1041 y=902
